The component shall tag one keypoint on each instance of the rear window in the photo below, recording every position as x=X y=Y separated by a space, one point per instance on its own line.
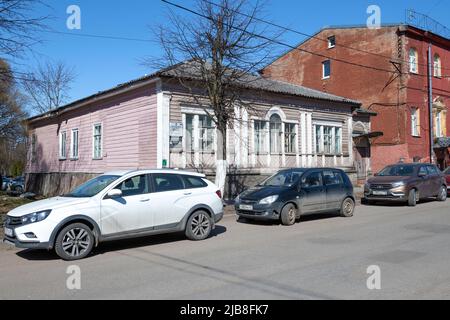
x=331 y=178
x=432 y=170
x=194 y=182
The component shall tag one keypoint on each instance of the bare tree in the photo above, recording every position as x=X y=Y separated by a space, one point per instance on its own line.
x=227 y=41
x=19 y=25
x=12 y=131
x=47 y=88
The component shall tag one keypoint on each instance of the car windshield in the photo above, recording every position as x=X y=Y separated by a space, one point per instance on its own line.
x=397 y=171
x=283 y=179
x=92 y=187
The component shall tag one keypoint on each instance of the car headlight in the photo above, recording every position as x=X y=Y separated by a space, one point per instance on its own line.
x=238 y=198
x=367 y=186
x=35 y=217
x=269 y=200
x=398 y=184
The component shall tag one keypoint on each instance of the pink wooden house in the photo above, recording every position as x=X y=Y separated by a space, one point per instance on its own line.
x=152 y=122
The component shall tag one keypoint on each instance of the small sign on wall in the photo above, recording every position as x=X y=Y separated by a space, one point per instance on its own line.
x=176 y=135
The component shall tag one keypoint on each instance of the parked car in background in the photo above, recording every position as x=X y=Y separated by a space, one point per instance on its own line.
x=292 y=193
x=447 y=177
x=17 y=185
x=114 y=206
x=406 y=183
x=5 y=183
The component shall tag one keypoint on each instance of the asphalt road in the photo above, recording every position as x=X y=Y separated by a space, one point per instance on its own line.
x=323 y=257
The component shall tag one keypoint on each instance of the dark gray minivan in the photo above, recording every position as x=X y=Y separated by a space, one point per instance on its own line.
x=294 y=192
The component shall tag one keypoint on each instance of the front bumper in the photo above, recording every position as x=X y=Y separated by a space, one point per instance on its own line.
x=19 y=238
x=26 y=245
x=388 y=197
x=260 y=212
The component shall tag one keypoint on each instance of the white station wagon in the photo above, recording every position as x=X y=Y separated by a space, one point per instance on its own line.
x=117 y=205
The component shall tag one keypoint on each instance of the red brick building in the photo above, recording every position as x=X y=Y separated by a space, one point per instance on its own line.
x=386 y=69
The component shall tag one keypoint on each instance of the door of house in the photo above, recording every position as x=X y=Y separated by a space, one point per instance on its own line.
x=361 y=154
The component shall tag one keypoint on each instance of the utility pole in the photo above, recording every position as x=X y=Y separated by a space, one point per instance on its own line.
x=430 y=101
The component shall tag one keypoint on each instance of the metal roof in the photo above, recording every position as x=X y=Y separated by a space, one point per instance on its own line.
x=189 y=70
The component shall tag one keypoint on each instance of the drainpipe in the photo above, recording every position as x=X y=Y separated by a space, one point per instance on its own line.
x=430 y=102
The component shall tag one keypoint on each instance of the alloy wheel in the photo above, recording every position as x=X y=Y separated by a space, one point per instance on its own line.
x=76 y=242
x=292 y=214
x=443 y=194
x=348 y=207
x=200 y=225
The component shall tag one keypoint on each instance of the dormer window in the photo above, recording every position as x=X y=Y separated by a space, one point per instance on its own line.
x=331 y=42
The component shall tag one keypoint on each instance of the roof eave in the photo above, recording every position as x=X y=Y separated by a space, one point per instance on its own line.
x=94 y=98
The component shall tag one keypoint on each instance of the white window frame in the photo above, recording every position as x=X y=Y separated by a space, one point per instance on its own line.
x=335 y=131
x=101 y=141
x=414 y=122
x=413 y=61
x=438 y=130
x=191 y=136
x=274 y=140
x=293 y=137
x=33 y=146
x=319 y=149
x=74 y=156
x=262 y=135
x=203 y=135
x=437 y=66
x=63 y=146
x=330 y=45
x=323 y=69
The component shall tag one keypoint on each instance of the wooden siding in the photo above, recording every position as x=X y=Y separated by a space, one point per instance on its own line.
x=291 y=107
x=129 y=129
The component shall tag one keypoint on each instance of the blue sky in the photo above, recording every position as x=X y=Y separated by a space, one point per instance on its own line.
x=104 y=63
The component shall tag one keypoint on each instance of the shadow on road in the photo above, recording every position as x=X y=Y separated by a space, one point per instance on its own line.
x=393 y=204
x=303 y=219
x=37 y=255
x=119 y=245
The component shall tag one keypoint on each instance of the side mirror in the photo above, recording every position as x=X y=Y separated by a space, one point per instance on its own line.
x=376 y=174
x=114 y=193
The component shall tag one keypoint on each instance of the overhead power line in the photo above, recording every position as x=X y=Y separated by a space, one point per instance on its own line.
x=288 y=45
x=85 y=35
x=316 y=37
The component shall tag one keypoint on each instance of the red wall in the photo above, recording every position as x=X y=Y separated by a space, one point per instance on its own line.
x=388 y=94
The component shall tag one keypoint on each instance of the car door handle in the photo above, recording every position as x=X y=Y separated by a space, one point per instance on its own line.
x=187 y=193
x=145 y=199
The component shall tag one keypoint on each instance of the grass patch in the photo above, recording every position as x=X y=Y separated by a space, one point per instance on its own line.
x=8 y=203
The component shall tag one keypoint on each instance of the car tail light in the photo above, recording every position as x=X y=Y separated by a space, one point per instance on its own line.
x=219 y=194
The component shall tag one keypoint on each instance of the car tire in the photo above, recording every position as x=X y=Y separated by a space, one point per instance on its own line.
x=442 y=194
x=412 y=198
x=288 y=215
x=199 y=226
x=18 y=189
x=347 y=208
x=74 y=242
x=243 y=220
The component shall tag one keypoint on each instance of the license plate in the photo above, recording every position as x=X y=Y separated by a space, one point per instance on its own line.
x=9 y=232
x=246 y=207
x=379 y=193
